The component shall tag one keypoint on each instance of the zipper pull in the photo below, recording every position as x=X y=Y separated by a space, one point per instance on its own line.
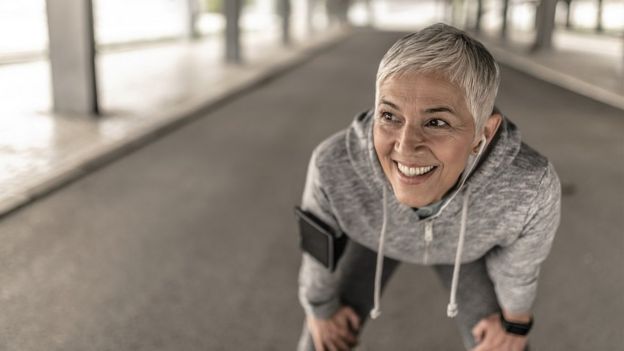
x=428 y=231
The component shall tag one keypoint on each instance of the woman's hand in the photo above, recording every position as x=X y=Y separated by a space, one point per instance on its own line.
x=338 y=333
x=490 y=336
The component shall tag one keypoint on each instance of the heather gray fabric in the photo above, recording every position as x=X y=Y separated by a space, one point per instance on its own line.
x=357 y=276
x=513 y=214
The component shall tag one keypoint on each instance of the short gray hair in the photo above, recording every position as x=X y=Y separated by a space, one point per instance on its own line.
x=443 y=49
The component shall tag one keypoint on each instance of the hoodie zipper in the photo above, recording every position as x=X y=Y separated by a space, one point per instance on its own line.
x=428 y=238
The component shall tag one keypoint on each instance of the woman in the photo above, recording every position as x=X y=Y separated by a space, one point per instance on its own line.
x=434 y=175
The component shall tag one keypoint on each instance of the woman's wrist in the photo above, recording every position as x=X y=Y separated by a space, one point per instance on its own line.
x=517 y=324
x=517 y=317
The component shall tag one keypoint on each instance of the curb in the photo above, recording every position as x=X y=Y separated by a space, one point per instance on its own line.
x=553 y=76
x=250 y=77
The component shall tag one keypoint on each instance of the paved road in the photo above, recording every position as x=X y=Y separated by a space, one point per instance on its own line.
x=189 y=243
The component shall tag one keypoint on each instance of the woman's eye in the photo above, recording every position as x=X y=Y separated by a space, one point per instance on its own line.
x=389 y=117
x=437 y=123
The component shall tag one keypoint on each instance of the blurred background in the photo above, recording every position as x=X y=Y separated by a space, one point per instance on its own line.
x=151 y=153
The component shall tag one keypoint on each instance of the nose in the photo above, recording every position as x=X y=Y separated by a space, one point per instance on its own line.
x=410 y=140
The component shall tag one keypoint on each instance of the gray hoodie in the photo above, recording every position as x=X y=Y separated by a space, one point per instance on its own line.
x=510 y=204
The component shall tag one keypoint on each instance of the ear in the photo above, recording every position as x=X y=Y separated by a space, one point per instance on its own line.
x=490 y=128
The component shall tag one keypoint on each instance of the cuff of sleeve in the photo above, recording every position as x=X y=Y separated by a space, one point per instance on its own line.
x=323 y=310
x=517 y=302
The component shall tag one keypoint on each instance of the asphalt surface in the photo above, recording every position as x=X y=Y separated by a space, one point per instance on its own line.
x=189 y=243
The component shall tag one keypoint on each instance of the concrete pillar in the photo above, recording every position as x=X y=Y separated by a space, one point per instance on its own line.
x=622 y=63
x=447 y=11
x=285 y=10
x=337 y=11
x=193 y=11
x=458 y=13
x=370 y=12
x=331 y=11
x=310 y=8
x=599 y=27
x=568 y=13
x=72 y=56
x=545 y=25
x=232 y=10
x=477 y=24
x=504 y=25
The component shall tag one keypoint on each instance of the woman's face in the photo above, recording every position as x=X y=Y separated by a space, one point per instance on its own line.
x=423 y=134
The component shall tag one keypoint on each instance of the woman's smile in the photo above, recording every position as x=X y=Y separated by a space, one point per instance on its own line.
x=413 y=175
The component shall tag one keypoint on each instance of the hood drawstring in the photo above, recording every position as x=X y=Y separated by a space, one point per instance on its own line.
x=451 y=310
x=376 y=312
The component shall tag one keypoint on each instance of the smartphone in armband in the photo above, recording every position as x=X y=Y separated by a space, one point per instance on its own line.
x=319 y=239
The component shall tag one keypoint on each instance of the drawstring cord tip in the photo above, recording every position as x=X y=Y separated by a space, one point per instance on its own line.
x=451 y=310
x=375 y=313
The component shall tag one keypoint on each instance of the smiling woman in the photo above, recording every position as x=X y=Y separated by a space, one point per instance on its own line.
x=434 y=153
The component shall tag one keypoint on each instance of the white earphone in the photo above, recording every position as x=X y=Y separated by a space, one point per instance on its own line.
x=482 y=145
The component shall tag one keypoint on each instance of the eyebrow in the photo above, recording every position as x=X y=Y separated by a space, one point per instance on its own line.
x=440 y=109
x=436 y=109
x=391 y=104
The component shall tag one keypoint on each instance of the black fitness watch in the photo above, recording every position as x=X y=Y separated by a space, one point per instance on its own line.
x=516 y=328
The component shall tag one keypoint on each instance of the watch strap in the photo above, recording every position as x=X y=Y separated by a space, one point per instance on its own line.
x=516 y=328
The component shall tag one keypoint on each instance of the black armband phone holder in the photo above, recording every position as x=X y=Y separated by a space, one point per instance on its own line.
x=320 y=240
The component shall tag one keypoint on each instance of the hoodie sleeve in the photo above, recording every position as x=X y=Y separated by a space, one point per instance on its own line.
x=317 y=285
x=514 y=268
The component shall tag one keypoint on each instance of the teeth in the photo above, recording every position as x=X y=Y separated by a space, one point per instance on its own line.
x=414 y=171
